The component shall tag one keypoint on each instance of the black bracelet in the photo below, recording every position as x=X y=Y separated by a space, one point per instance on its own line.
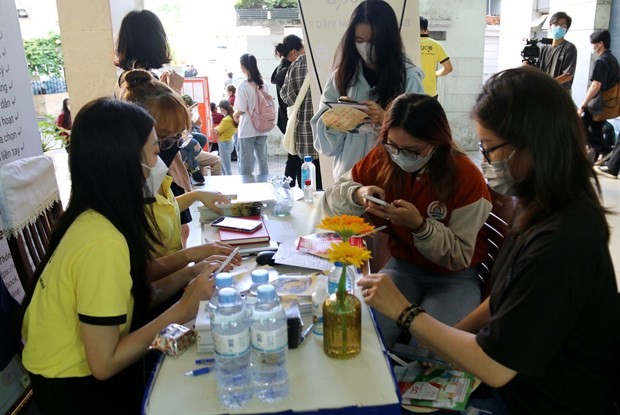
x=407 y=315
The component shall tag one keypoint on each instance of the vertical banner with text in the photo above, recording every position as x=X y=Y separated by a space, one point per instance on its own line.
x=324 y=23
x=19 y=135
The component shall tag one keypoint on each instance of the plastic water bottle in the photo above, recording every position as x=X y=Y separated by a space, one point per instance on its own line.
x=308 y=192
x=308 y=172
x=333 y=278
x=269 y=346
x=222 y=280
x=259 y=277
x=231 y=338
x=318 y=297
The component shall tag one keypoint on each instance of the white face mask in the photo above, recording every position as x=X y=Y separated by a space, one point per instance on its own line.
x=498 y=175
x=156 y=177
x=408 y=164
x=366 y=51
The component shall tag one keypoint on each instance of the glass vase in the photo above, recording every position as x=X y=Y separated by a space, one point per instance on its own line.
x=283 y=196
x=342 y=326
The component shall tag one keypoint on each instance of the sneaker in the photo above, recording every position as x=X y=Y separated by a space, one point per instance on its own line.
x=198 y=177
x=604 y=172
x=602 y=160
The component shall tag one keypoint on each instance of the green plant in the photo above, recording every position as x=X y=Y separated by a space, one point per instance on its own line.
x=270 y=4
x=44 y=55
x=50 y=133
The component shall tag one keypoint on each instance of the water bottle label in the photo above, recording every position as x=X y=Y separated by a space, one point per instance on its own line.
x=304 y=176
x=317 y=321
x=232 y=345
x=270 y=341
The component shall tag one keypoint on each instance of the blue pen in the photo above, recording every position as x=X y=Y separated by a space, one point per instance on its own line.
x=205 y=361
x=198 y=372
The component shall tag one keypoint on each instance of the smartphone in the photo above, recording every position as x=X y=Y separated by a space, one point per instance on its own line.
x=376 y=200
x=237 y=224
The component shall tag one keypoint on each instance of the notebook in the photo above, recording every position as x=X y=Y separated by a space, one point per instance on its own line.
x=244 y=238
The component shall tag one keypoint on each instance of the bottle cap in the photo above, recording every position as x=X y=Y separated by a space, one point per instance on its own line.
x=266 y=293
x=223 y=280
x=260 y=276
x=338 y=264
x=308 y=182
x=227 y=296
x=308 y=159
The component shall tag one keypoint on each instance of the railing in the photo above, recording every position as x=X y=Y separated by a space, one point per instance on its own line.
x=254 y=15
x=49 y=86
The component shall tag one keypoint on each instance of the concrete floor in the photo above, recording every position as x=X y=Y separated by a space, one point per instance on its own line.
x=610 y=188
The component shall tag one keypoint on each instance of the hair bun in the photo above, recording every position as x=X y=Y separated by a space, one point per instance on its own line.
x=136 y=76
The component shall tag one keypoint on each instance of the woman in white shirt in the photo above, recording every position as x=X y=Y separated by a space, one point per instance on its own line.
x=252 y=143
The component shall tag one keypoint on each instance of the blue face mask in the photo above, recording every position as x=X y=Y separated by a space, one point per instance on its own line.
x=557 y=32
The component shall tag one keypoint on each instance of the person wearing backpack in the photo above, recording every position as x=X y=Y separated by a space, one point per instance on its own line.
x=256 y=115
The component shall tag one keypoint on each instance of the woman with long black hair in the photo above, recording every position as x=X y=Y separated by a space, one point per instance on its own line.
x=86 y=318
x=371 y=68
x=548 y=336
x=252 y=144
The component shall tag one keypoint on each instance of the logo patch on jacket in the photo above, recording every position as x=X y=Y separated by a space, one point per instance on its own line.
x=437 y=210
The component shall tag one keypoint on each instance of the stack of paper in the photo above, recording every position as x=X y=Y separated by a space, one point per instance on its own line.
x=202 y=326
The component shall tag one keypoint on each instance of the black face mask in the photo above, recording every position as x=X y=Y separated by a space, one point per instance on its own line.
x=168 y=155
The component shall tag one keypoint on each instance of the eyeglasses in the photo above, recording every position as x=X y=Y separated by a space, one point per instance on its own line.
x=408 y=152
x=487 y=153
x=166 y=143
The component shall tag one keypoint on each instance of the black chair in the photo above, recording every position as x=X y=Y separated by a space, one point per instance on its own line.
x=495 y=228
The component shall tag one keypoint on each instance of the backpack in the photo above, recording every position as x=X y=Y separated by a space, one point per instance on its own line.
x=263 y=116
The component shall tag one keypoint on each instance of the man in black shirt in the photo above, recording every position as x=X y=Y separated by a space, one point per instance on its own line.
x=605 y=75
x=560 y=58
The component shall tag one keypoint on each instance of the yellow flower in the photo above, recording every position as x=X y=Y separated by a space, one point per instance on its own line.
x=346 y=254
x=346 y=225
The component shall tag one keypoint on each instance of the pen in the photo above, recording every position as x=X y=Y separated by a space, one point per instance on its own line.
x=198 y=372
x=305 y=333
x=204 y=361
x=380 y=228
x=227 y=261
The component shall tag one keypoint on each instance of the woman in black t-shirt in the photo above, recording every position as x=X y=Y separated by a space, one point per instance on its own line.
x=548 y=336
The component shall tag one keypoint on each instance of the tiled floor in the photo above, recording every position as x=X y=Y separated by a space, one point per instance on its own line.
x=610 y=187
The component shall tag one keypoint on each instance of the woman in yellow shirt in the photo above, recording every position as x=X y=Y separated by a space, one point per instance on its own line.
x=172 y=123
x=86 y=322
x=225 y=131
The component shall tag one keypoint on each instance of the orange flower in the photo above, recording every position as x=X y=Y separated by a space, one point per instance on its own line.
x=346 y=254
x=346 y=225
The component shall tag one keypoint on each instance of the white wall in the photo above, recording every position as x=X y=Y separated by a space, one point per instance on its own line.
x=465 y=25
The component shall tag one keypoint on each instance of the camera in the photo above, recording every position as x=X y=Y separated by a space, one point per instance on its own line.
x=531 y=51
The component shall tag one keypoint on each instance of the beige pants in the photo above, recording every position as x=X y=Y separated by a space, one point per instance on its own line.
x=205 y=159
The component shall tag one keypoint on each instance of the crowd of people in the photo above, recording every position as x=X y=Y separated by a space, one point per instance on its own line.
x=117 y=270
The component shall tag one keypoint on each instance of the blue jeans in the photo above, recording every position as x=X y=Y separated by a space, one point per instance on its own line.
x=226 y=149
x=189 y=153
x=448 y=298
x=250 y=149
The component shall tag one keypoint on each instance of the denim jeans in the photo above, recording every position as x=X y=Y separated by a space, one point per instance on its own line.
x=250 y=149
x=226 y=149
x=448 y=298
x=189 y=153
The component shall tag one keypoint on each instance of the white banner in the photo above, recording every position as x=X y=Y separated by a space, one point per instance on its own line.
x=19 y=134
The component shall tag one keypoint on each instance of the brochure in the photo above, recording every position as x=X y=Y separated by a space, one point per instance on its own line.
x=442 y=388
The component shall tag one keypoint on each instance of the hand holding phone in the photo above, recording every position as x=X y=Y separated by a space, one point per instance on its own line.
x=375 y=200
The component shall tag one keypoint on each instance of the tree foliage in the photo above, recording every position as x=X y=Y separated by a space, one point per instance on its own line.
x=44 y=55
x=269 y=4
